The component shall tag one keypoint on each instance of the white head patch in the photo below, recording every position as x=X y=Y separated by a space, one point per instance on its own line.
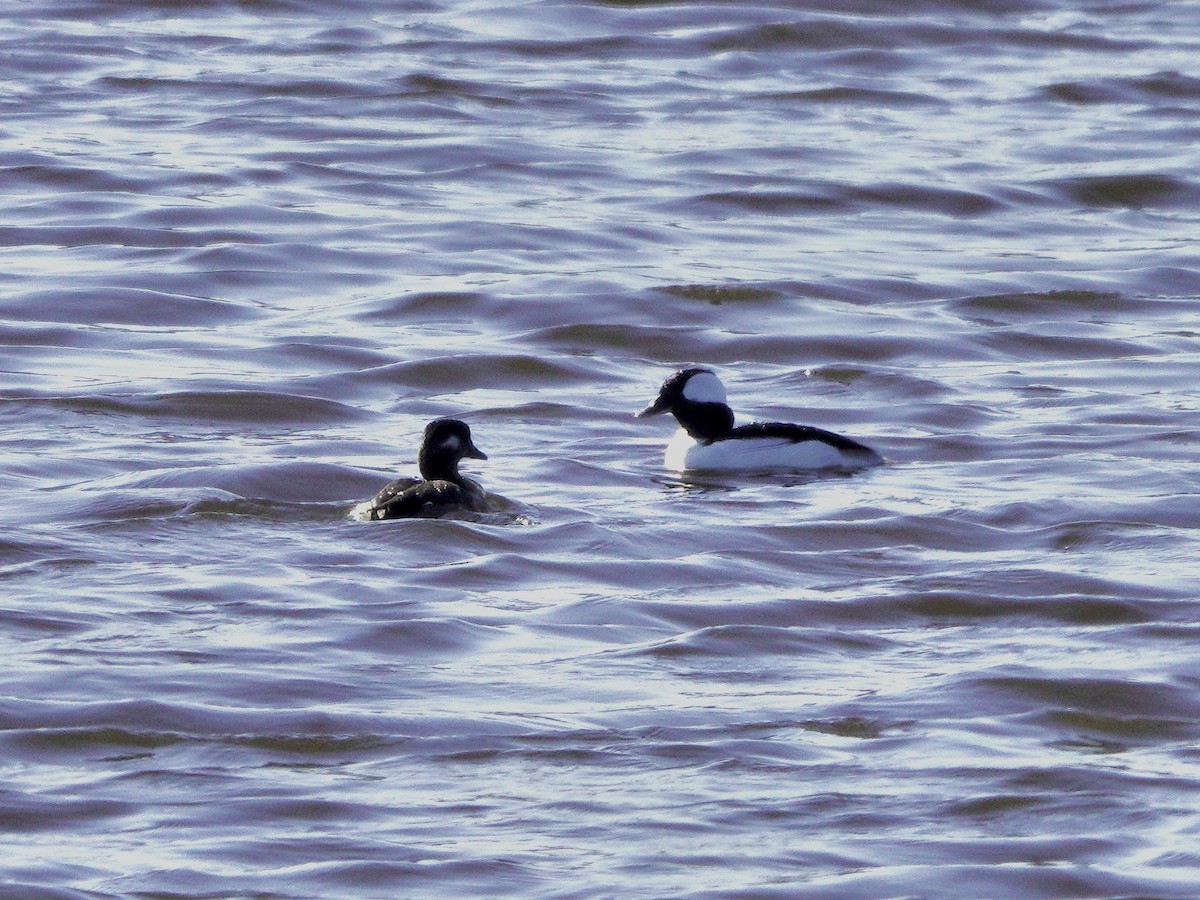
x=705 y=387
x=451 y=442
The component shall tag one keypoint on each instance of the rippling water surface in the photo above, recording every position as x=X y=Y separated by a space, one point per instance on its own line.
x=247 y=251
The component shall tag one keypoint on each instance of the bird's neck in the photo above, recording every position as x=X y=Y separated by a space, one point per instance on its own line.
x=705 y=421
x=438 y=468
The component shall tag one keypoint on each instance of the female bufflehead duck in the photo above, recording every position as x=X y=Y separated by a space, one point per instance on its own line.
x=707 y=438
x=441 y=488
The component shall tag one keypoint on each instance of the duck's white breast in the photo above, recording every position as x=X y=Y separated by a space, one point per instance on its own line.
x=753 y=454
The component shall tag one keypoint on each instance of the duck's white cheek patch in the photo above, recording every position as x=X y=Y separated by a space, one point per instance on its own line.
x=451 y=443
x=704 y=387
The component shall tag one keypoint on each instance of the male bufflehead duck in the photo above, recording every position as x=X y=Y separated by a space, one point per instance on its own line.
x=707 y=438
x=441 y=488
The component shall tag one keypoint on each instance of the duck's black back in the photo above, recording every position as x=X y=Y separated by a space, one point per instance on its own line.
x=408 y=498
x=798 y=434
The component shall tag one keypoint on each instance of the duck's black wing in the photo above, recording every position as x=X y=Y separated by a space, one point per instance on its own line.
x=408 y=498
x=800 y=433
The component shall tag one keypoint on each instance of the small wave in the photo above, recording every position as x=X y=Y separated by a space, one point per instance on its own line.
x=926 y=198
x=855 y=96
x=718 y=294
x=249 y=407
x=1042 y=305
x=461 y=373
x=678 y=342
x=1117 y=733
x=75 y=236
x=860 y=727
x=946 y=606
x=832 y=197
x=115 y=507
x=423 y=637
x=79 y=726
x=17 y=555
x=1040 y=344
x=286 y=491
x=76 y=178
x=812 y=34
x=778 y=203
x=1061 y=695
x=25 y=813
x=830 y=626
x=753 y=641
x=284 y=480
x=1133 y=191
x=439 y=305
x=1145 y=89
x=124 y=306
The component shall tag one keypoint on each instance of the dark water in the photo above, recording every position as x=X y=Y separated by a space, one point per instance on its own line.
x=247 y=251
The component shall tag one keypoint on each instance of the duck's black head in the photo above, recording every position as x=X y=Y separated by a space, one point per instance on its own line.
x=446 y=442
x=696 y=398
